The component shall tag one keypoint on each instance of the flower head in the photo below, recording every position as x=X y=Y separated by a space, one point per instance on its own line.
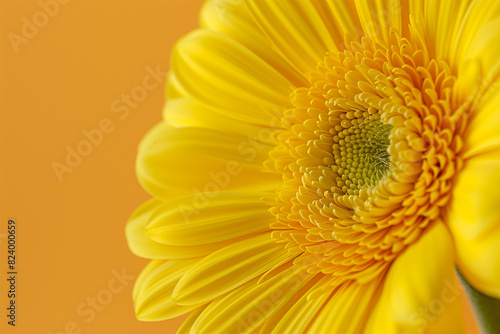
x=322 y=166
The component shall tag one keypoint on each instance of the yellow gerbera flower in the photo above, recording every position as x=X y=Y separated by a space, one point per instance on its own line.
x=322 y=166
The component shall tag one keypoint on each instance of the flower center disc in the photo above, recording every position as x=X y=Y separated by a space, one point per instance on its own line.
x=360 y=151
x=367 y=154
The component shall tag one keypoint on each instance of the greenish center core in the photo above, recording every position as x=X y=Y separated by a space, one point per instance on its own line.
x=360 y=152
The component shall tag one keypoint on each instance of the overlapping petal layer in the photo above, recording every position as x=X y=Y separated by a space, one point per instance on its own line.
x=475 y=223
x=370 y=131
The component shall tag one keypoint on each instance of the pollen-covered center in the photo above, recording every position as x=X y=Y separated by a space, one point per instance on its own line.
x=360 y=151
x=367 y=154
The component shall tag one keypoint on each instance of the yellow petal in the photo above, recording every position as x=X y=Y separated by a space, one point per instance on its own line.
x=247 y=307
x=449 y=22
x=233 y=19
x=187 y=325
x=220 y=72
x=440 y=23
x=174 y=89
x=340 y=18
x=229 y=215
x=296 y=31
x=485 y=49
x=468 y=82
x=378 y=17
x=139 y=243
x=476 y=34
x=348 y=309
x=419 y=288
x=142 y=245
x=483 y=133
x=176 y=162
x=300 y=310
x=229 y=268
x=153 y=290
x=186 y=112
x=474 y=220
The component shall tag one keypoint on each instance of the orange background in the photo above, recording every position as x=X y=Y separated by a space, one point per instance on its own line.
x=61 y=82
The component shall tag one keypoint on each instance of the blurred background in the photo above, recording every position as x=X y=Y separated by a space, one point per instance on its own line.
x=64 y=77
x=81 y=81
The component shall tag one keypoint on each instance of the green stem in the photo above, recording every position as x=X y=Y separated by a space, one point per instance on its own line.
x=486 y=309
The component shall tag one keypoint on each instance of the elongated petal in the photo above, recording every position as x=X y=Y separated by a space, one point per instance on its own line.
x=457 y=31
x=283 y=23
x=440 y=25
x=187 y=325
x=377 y=17
x=348 y=309
x=419 y=288
x=153 y=290
x=475 y=32
x=185 y=112
x=485 y=49
x=222 y=73
x=230 y=162
x=229 y=268
x=321 y=308
x=483 y=134
x=479 y=70
x=247 y=307
x=301 y=309
x=340 y=18
x=142 y=245
x=174 y=88
x=475 y=223
x=233 y=19
x=186 y=222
